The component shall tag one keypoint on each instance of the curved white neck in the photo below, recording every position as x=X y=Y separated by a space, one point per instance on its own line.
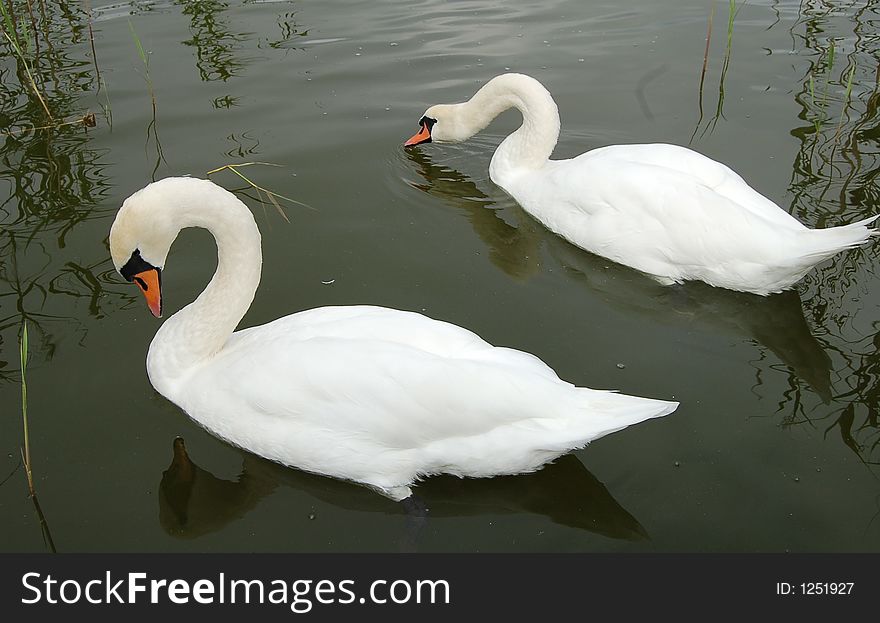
x=199 y=330
x=529 y=146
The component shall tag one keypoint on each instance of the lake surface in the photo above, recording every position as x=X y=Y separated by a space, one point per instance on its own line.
x=775 y=445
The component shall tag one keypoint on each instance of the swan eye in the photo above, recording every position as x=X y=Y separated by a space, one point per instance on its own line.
x=427 y=122
x=134 y=266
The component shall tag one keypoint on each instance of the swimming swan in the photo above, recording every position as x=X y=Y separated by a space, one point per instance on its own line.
x=662 y=209
x=373 y=395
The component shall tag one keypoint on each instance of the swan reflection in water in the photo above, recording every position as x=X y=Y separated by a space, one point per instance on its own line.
x=520 y=247
x=193 y=502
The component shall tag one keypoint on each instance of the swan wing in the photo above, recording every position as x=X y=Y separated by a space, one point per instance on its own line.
x=388 y=402
x=683 y=168
x=398 y=376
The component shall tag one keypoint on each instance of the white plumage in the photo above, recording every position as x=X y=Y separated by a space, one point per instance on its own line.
x=665 y=210
x=369 y=394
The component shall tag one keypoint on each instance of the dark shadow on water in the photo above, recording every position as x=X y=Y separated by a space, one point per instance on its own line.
x=522 y=248
x=193 y=502
x=514 y=247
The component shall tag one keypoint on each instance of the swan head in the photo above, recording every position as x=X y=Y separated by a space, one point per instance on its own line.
x=442 y=123
x=142 y=234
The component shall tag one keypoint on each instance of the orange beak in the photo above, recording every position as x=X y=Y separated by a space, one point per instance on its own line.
x=422 y=136
x=150 y=283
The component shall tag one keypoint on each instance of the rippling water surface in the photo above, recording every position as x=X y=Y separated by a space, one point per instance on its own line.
x=775 y=446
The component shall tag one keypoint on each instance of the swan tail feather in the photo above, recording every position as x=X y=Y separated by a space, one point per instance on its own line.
x=601 y=413
x=824 y=243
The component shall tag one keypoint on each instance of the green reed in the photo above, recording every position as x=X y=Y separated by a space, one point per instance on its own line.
x=26 y=451
x=146 y=62
x=153 y=127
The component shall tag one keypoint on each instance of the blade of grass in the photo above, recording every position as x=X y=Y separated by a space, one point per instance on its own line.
x=44 y=525
x=92 y=42
x=270 y=194
x=818 y=115
x=34 y=28
x=140 y=48
x=26 y=452
x=107 y=108
x=153 y=126
x=146 y=62
x=848 y=94
x=828 y=71
x=259 y=189
x=831 y=56
x=9 y=20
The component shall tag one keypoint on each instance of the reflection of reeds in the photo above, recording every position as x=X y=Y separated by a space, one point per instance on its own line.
x=733 y=10
x=87 y=120
x=703 y=72
x=101 y=85
x=11 y=34
x=820 y=107
x=216 y=46
x=706 y=57
x=22 y=37
x=92 y=41
x=731 y=16
x=835 y=180
x=54 y=181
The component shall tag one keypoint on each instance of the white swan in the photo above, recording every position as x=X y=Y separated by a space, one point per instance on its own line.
x=663 y=209
x=369 y=394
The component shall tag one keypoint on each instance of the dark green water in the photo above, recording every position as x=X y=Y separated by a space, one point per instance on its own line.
x=775 y=446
